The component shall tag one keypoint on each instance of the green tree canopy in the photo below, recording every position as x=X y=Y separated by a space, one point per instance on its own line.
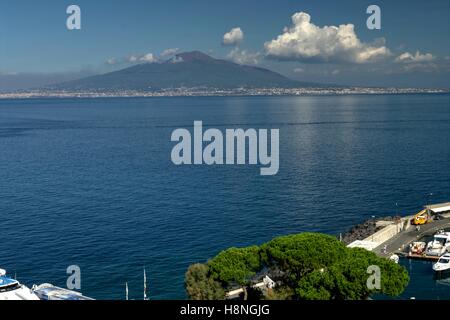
x=235 y=265
x=200 y=286
x=313 y=266
x=347 y=278
x=300 y=254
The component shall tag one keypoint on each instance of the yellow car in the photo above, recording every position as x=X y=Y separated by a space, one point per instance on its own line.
x=421 y=217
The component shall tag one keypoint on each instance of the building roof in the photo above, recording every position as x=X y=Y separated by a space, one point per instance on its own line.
x=440 y=207
x=368 y=245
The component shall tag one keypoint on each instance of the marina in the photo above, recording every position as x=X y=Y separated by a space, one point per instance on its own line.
x=420 y=243
x=403 y=236
x=430 y=273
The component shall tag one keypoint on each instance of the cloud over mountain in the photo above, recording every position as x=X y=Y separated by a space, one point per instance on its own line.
x=149 y=58
x=407 y=57
x=304 y=41
x=233 y=37
x=112 y=61
x=143 y=58
x=243 y=56
x=169 y=52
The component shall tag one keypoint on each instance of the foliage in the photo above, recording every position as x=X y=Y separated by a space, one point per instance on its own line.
x=300 y=254
x=235 y=265
x=307 y=266
x=394 y=278
x=347 y=279
x=280 y=293
x=200 y=286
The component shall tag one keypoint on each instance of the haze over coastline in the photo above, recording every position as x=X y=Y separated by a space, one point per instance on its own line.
x=196 y=74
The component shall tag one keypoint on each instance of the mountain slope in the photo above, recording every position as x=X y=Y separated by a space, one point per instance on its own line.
x=190 y=69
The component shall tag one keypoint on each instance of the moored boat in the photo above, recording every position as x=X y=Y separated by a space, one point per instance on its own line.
x=443 y=263
x=11 y=289
x=48 y=291
x=439 y=245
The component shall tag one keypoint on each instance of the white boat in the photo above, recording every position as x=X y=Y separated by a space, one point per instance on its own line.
x=11 y=289
x=48 y=291
x=439 y=245
x=443 y=263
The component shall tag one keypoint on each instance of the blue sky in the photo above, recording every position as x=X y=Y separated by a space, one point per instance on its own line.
x=34 y=39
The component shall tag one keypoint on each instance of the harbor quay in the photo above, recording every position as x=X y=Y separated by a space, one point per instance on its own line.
x=399 y=236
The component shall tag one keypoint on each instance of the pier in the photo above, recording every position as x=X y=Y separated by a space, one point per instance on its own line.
x=396 y=236
x=399 y=244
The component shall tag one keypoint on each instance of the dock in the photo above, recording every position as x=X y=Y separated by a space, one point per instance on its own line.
x=396 y=236
x=399 y=244
x=420 y=256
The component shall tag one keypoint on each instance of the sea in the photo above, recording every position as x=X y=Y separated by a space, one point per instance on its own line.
x=90 y=183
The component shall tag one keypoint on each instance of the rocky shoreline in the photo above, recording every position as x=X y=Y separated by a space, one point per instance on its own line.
x=365 y=229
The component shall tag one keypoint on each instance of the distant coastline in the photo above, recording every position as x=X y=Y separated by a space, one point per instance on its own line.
x=212 y=92
x=196 y=74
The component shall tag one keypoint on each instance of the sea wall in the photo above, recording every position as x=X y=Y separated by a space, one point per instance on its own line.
x=390 y=231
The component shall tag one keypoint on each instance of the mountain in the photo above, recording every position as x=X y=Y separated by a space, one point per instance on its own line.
x=189 y=69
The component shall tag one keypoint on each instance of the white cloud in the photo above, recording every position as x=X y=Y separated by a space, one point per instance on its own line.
x=111 y=61
x=243 y=56
x=335 y=72
x=407 y=57
x=419 y=62
x=299 y=70
x=169 y=52
x=132 y=59
x=233 y=37
x=304 y=41
x=149 y=58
